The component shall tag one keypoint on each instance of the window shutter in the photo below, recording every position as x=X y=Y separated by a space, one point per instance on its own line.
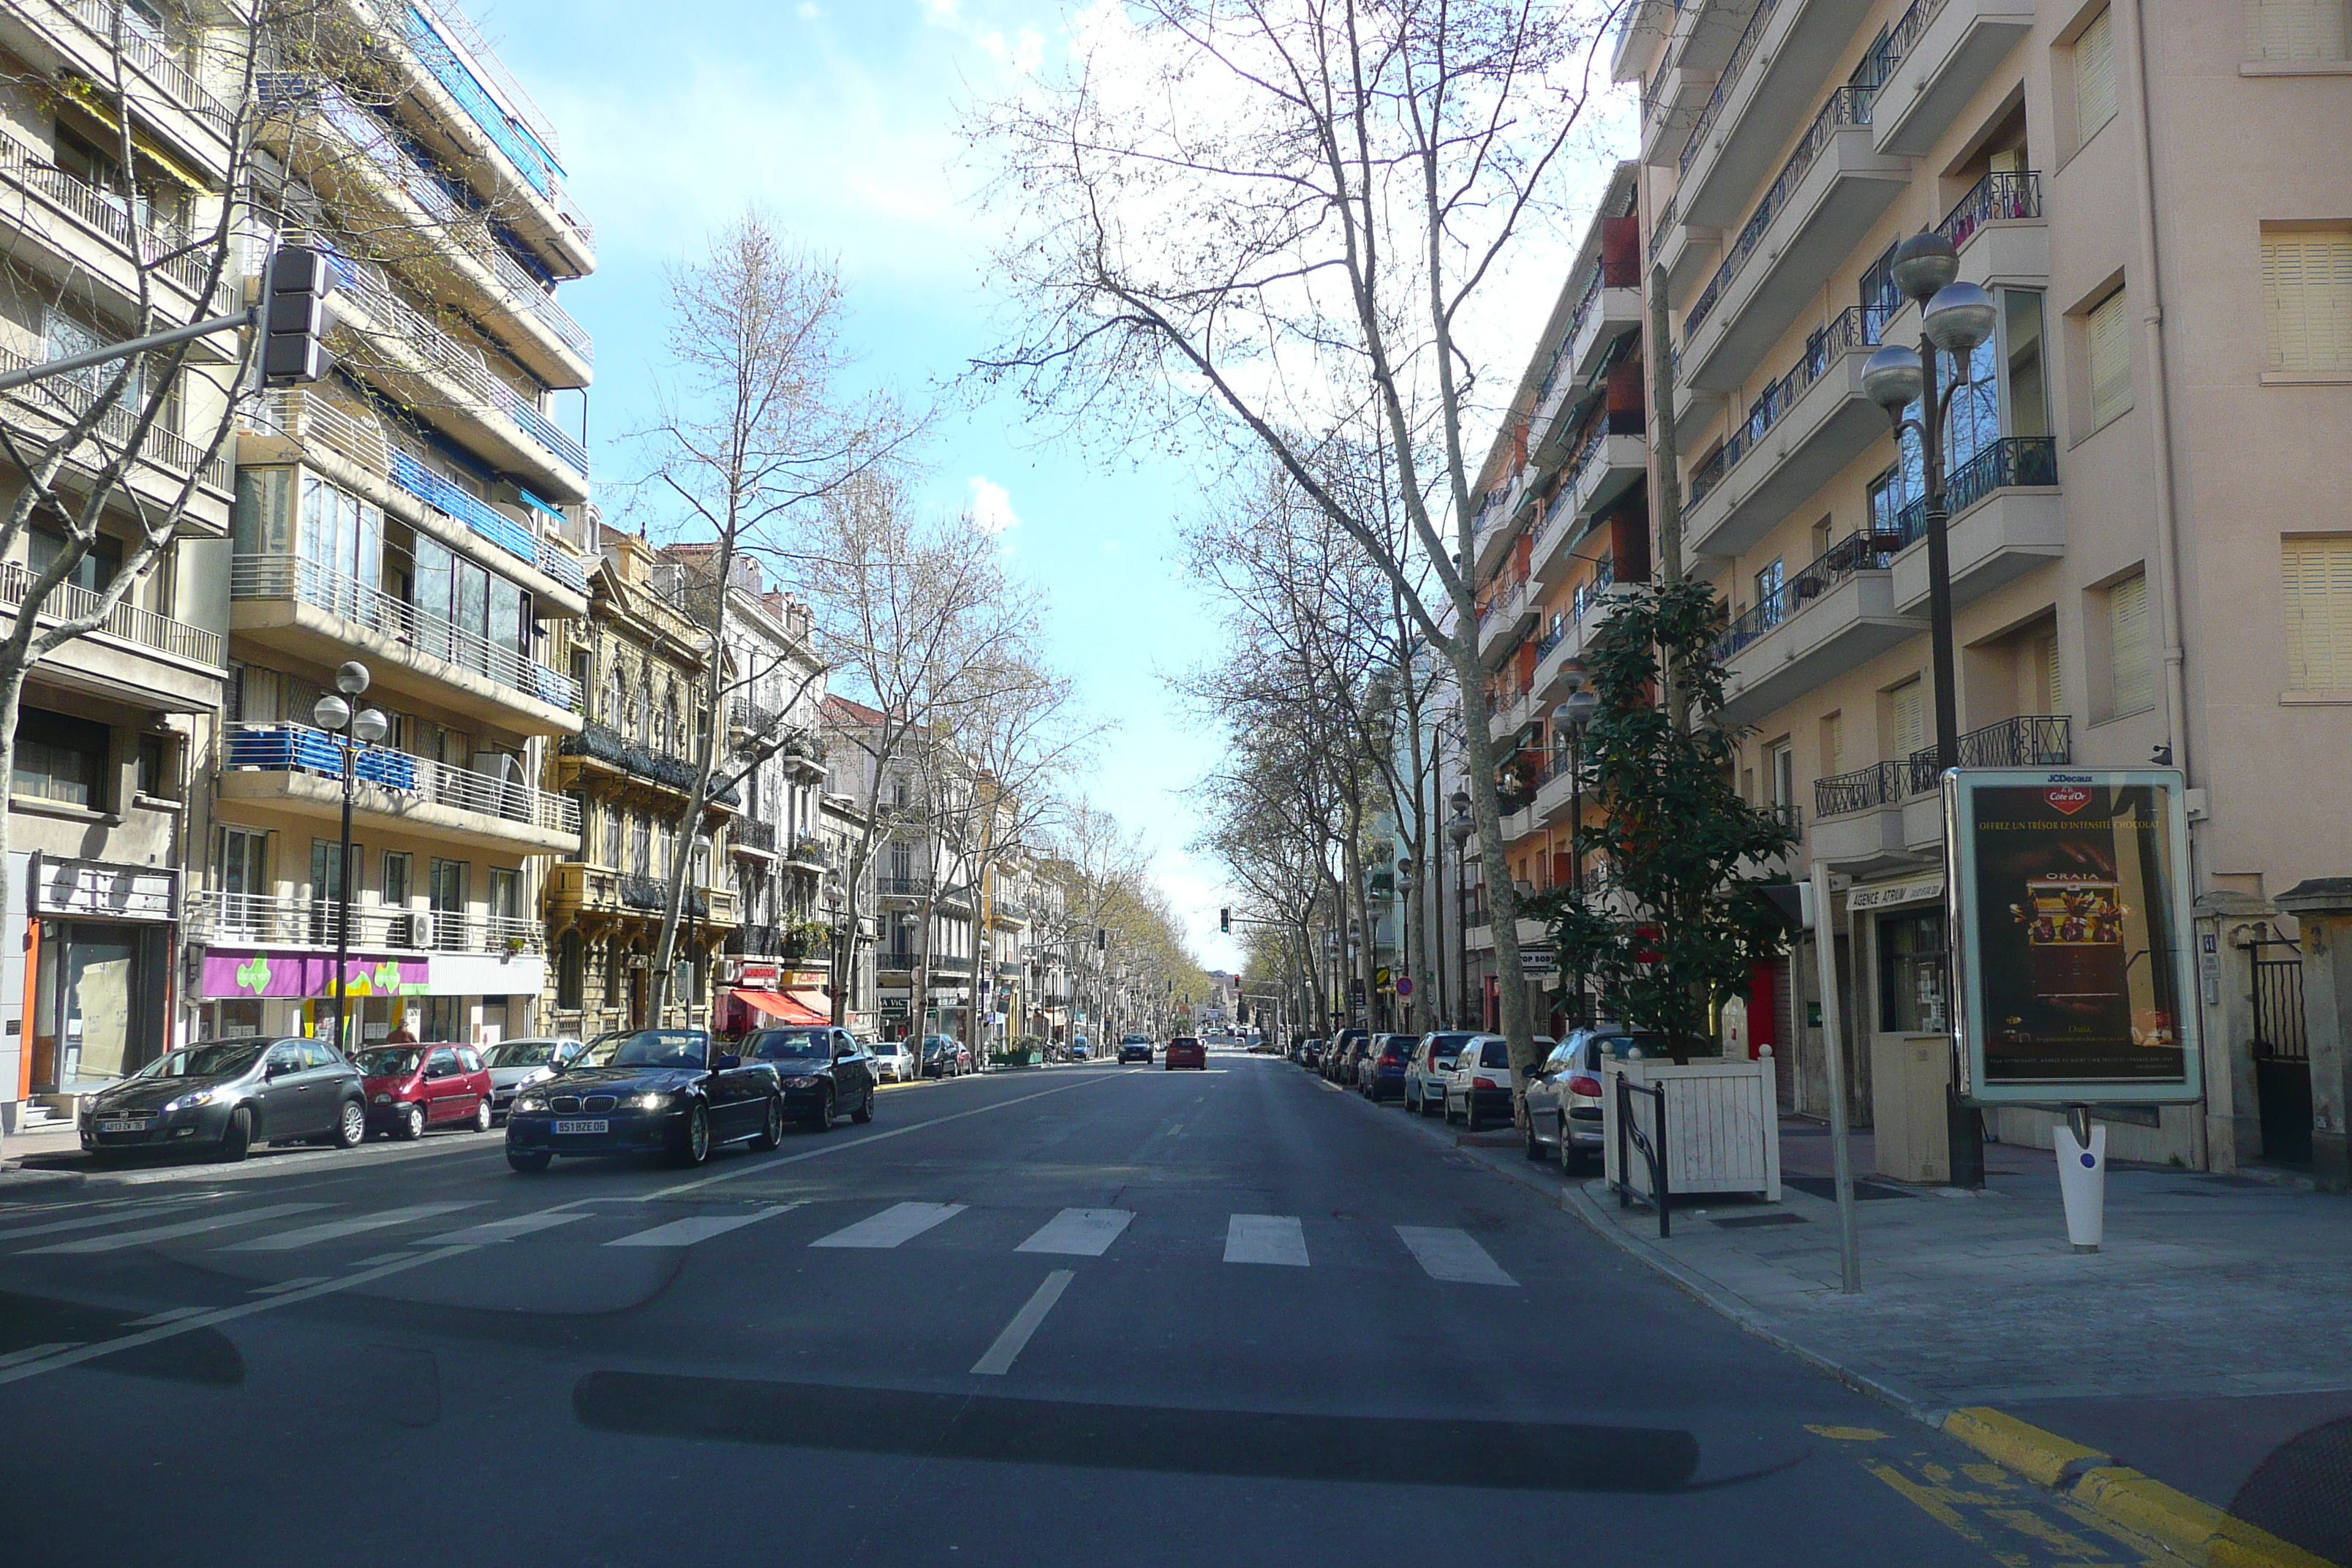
x=2134 y=664
x=2317 y=574
x=2054 y=684
x=2296 y=29
x=2307 y=299
x=1910 y=719
x=2109 y=341
x=2094 y=76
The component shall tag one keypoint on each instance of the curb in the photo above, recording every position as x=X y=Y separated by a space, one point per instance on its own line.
x=32 y=1178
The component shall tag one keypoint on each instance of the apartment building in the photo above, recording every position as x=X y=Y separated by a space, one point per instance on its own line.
x=630 y=770
x=116 y=731
x=418 y=512
x=1562 y=521
x=2149 y=559
x=850 y=982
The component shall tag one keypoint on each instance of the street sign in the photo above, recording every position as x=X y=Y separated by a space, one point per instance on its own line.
x=1538 y=958
x=2070 y=907
x=1380 y=978
x=1405 y=985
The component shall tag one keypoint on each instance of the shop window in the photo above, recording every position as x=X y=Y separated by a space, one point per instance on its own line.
x=1911 y=974
x=62 y=759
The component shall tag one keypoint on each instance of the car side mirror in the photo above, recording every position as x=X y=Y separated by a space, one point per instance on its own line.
x=728 y=1062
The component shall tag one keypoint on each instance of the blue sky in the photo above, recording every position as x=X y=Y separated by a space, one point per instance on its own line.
x=838 y=118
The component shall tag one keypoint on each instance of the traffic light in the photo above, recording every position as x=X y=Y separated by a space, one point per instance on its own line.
x=295 y=317
x=1225 y=920
x=1101 y=941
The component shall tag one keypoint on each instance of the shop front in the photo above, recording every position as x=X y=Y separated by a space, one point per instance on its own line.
x=98 y=950
x=757 y=992
x=471 y=997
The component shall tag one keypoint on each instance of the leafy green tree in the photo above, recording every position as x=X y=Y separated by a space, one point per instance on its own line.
x=1670 y=922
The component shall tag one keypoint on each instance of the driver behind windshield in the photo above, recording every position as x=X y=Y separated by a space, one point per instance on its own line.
x=791 y=1045
x=649 y=1048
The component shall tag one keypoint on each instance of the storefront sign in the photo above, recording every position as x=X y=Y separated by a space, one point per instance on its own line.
x=228 y=974
x=1538 y=958
x=894 y=1006
x=1887 y=895
x=2071 y=917
x=745 y=972
x=101 y=888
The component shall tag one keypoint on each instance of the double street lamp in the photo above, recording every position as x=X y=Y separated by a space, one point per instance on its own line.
x=1955 y=319
x=333 y=714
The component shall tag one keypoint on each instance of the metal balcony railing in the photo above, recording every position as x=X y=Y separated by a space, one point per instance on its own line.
x=1856 y=326
x=1741 y=53
x=1903 y=37
x=1665 y=226
x=63 y=399
x=220 y=919
x=429 y=636
x=1858 y=551
x=162 y=246
x=2028 y=740
x=808 y=850
x=300 y=749
x=2003 y=464
x=1588 y=592
x=525 y=146
x=126 y=621
x=147 y=56
x=751 y=833
x=1999 y=196
x=608 y=745
x=1848 y=106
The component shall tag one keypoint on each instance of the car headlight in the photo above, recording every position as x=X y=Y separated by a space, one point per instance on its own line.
x=190 y=1102
x=531 y=1102
x=384 y=1099
x=802 y=1080
x=652 y=1099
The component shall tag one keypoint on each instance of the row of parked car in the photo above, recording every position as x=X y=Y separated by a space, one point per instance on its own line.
x=1465 y=1076
x=557 y=1094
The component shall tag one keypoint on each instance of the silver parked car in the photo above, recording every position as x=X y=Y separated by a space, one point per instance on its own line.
x=894 y=1061
x=1425 y=1076
x=514 y=1063
x=1564 y=1111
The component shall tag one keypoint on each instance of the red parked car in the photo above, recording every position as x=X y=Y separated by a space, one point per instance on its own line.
x=1186 y=1051
x=412 y=1087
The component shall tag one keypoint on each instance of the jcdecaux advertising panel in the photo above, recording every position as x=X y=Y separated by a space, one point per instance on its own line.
x=2069 y=897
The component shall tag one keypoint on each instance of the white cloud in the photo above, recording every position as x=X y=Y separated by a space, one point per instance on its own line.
x=810 y=10
x=991 y=506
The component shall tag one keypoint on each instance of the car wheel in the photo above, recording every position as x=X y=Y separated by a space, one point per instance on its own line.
x=351 y=1127
x=482 y=1114
x=821 y=1119
x=1411 y=1100
x=238 y=1136
x=1469 y=1113
x=772 y=1125
x=695 y=1146
x=1535 y=1149
x=529 y=1165
x=412 y=1121
x=865 y=1111
x=1568 y=1160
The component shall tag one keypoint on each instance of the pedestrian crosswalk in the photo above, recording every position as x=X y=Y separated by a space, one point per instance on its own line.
x=1445 y=1254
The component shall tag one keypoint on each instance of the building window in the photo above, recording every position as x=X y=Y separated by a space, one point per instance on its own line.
x=2307 y=299
x=2294 y=29
x=1907 y=719
x=157 y=780
x=400 y=927
x=569 y=962
x=2317 y=574
x=63 y=759
x=2094 y=76
x=2131 y=653
x=2025 y=362
x=2106 y=337
x=1911 y=974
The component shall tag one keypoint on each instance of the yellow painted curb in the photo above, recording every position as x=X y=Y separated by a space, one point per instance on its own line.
x=2038 y=1456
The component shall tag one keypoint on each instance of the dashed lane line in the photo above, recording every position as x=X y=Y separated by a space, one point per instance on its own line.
x=687 y=1232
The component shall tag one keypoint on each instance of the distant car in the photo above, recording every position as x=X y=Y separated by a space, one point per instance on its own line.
x=1135 y=1048
x=894 y=1061
x=1479 y=1083
x=226 y=1096
x=823 y=1072
x=944 y=1055
x=411 y=1089
x=1339 y=1062
x=1078 y=1052
x=1424 y=1078
x=1311 y=1055
x=1382 y=1075
x=647 y=1092
x=516 y=1063
x=1185 y=1051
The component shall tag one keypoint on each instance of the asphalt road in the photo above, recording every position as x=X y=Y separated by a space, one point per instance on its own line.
x=1083 y=1314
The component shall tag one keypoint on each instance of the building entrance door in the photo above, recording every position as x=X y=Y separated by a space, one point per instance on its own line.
x=2282 y=1053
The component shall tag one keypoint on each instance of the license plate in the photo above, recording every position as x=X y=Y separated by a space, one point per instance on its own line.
x=123 y=1127
x=598 y=1125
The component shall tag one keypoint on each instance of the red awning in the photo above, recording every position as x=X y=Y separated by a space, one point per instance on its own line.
x=789 y=1009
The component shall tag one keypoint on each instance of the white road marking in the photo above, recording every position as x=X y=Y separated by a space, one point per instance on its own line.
x=122 y=1239
x=93 y=1221
x=172 y=1316
x=1266 y=1238
x=382 y=1257
x=35 y=1352
x=303 y=1283
x=333 y=1230
x=506 y=1230
x=1446 y=1253
x=687 y=1232
x=900 y=1222
x=1015 y=1337
x=1080 y=1233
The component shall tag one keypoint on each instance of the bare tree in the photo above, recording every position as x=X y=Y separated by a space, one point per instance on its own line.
x=1268 y=220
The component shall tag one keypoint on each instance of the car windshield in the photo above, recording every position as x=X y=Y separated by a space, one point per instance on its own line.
x=649 y=1048
x=206 y=1058
x=388 y=1061
x=519 y=1054
x=791 y=1045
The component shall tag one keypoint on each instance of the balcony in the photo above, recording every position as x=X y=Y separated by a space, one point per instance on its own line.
x=949 y=894
x=1589 y=608
x=577 y=891
x=1936 y=56
x=164 y=97
x=1889 y=815
x=297 y=607
x=1492 y=528
x=1768 y=87
x=299 y=769
x=1670 y=109
x=2007 y=519
x=1833 y=615
x=157 y=479
x=808 y=853
x=1612 y=307
x=131 y=656
x=218 y=919
x=1800 y=433
x=664 y=779
x=88 y=237
x=1507 y=713
x=751 y=836
x=1508 y=614
x=1834 y=186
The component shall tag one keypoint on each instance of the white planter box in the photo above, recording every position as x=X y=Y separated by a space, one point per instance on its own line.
x=1723 y=1127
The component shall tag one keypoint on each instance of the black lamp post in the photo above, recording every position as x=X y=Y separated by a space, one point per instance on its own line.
x=1571 y=718
x=1955 y=319
x=1404 y=937
x=367 y=726
x=1459 y=830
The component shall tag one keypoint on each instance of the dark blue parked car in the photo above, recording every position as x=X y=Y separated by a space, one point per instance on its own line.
x=1381 y=1076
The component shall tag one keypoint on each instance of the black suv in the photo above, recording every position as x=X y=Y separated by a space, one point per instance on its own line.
x=824 y=1071
x=1135 y=1048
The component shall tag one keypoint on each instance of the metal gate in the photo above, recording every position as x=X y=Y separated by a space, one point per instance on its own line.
x=2282 y=1054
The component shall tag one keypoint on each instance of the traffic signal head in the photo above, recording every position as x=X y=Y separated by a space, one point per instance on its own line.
x=295 y=317
x=1225 y=919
